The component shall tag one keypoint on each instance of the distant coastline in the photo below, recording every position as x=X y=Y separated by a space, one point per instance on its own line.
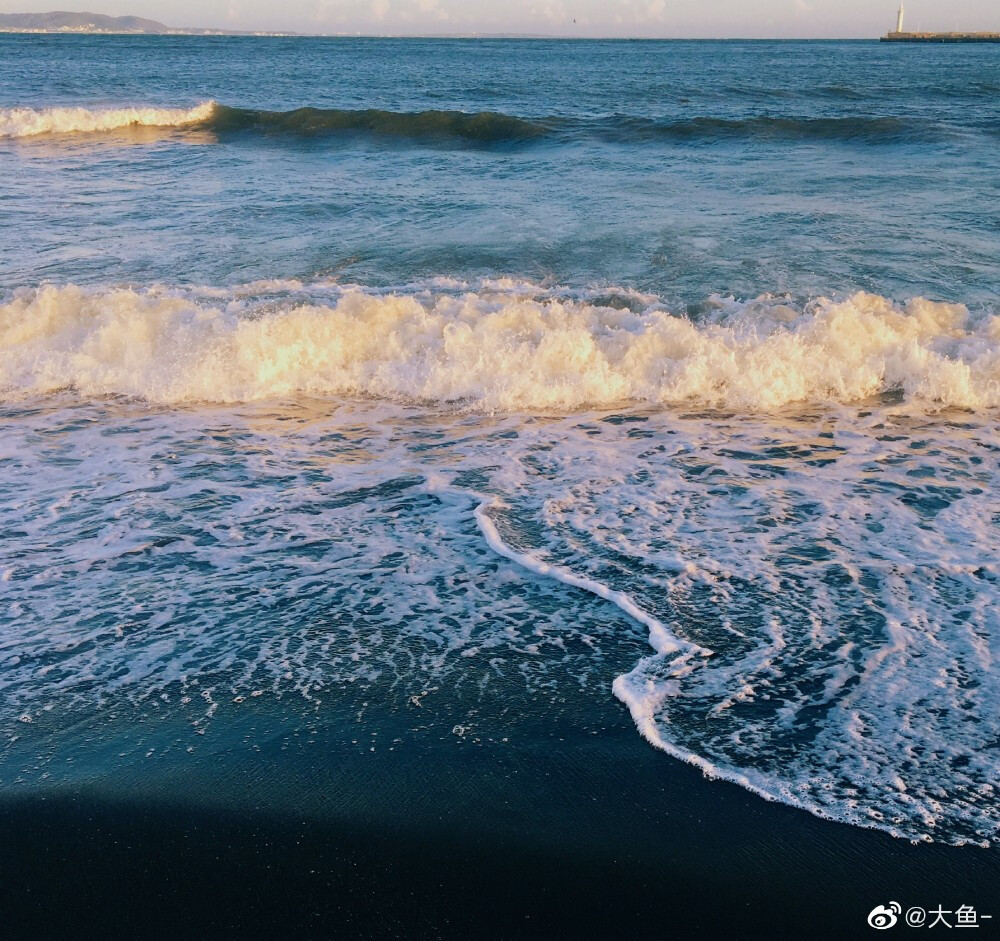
x=100 y=24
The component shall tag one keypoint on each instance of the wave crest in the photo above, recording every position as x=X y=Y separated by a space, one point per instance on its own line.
x=870 y=130
x=492 y=349
x=29 y=122
x=485 y=128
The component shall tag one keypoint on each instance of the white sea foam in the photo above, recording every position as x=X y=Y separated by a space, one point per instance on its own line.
x=818 y=583
x=29 y=122
x=842 y=572
x=659 y=636
x=838 y=564
x=493 y=349
x=368 y=570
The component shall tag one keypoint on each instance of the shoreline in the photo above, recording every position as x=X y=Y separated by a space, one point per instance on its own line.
x=574 y=828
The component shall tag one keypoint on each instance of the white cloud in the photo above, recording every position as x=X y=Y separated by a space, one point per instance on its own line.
x=432 y=8
x=554 y=11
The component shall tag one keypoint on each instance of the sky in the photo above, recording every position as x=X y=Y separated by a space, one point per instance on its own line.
x=634 y=18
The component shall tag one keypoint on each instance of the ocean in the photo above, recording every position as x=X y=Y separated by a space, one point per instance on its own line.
x=376 y=414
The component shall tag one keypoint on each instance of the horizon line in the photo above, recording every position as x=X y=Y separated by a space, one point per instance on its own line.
x=214 y=32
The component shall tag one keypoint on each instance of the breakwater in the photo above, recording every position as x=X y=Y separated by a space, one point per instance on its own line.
x=940 y=37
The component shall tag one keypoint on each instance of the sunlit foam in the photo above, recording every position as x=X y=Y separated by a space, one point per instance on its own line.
x=30 y=122
x=493 y=350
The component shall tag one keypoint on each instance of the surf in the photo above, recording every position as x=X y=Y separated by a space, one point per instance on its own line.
x=470 y=128
x=33 y=122
x=496 y=348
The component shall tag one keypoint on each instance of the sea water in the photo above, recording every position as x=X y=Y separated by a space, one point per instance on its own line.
x=668 y=371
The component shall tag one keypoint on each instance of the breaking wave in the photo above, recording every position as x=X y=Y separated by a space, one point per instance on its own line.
x=484 y=128
x=501 y=347
x=29 y=122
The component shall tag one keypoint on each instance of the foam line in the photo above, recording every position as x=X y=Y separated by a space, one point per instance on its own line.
x=661 y=639
x=640 y=698
x=641 y=704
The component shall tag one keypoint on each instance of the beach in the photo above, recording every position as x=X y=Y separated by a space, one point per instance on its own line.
x=559 y=829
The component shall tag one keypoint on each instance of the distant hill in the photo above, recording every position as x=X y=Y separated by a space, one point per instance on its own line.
x=81 y=22
x=62 y=22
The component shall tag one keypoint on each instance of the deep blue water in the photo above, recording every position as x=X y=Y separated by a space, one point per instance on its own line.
x=685 y=168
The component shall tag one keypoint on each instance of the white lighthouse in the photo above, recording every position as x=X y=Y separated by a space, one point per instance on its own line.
x=899 y=19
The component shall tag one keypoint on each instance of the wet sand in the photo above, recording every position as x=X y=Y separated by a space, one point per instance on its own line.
x=564 y=830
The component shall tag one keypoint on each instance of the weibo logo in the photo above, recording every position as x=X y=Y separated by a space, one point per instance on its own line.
x=882 y=916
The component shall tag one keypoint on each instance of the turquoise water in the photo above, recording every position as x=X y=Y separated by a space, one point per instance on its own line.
x=338 y=373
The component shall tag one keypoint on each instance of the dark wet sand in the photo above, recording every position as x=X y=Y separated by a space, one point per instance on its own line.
x=562 y=831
